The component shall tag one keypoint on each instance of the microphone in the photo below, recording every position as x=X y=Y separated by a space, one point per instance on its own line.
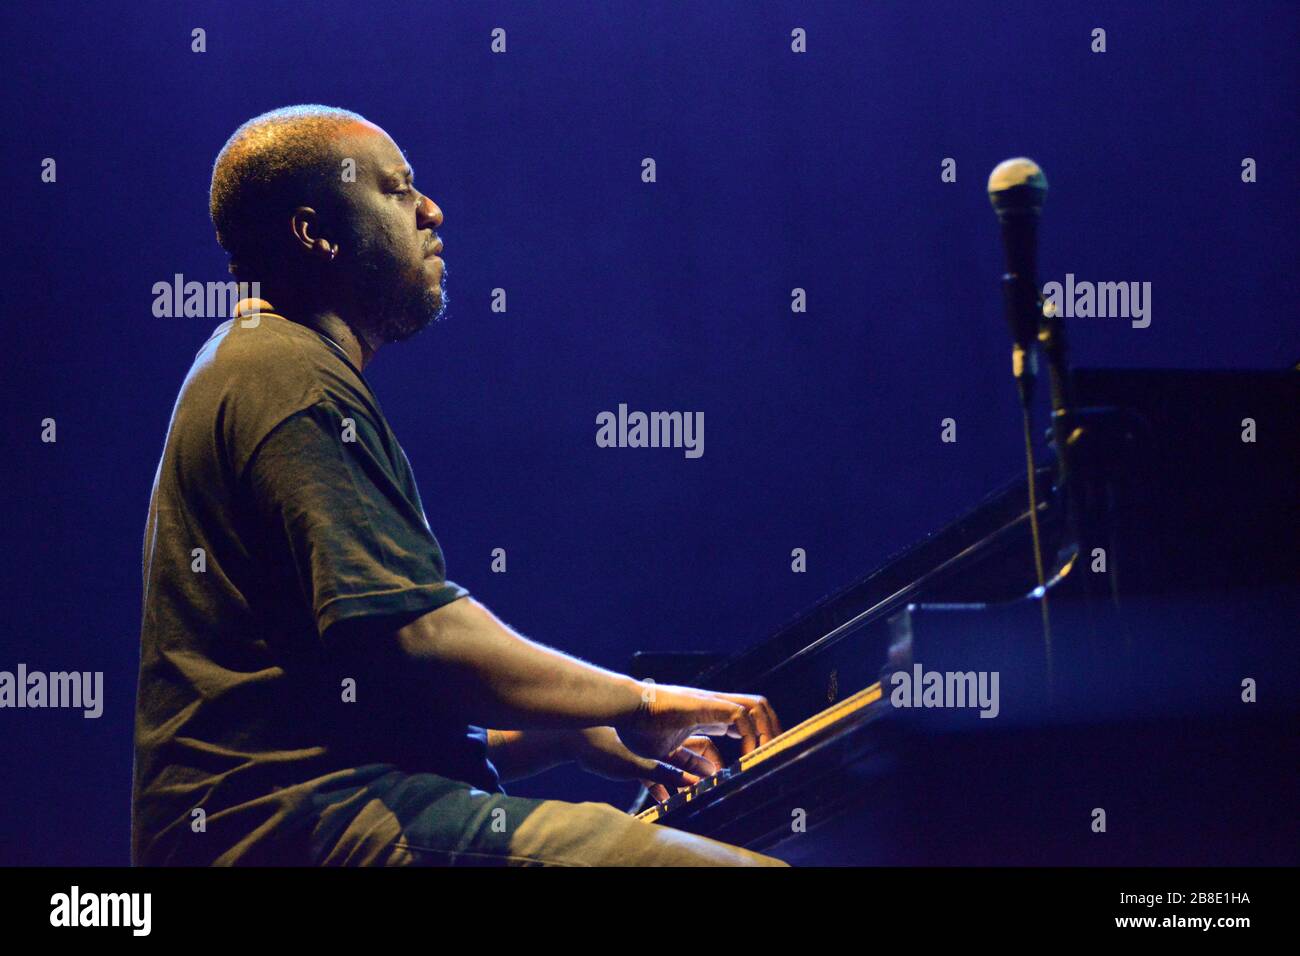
x=1017 y=189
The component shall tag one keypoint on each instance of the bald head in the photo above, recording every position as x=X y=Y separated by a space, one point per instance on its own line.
x=271 y=164
x=355 y=239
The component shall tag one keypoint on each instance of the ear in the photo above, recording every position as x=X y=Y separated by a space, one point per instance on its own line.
x=305 y=225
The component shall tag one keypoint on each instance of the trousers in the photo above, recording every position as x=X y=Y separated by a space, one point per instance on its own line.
x=422 y=819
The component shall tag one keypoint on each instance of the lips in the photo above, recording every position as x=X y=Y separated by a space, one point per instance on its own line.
x=434 y=250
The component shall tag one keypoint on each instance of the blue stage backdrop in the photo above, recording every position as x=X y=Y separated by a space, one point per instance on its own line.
x=837 y=148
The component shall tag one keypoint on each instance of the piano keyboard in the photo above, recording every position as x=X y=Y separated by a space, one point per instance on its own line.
x=816 y=726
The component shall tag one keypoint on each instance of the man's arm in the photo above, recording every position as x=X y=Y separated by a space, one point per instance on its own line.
x=517 y=754
x=461 y=652
x=367 y=564
x=502 y=679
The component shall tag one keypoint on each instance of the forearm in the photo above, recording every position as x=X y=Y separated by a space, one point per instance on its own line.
x=517 y=754
x=501 y=679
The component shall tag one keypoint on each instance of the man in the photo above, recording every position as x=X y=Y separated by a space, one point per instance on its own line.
x=312 y=689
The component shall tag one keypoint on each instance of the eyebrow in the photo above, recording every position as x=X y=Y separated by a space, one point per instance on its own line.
x=400 y=172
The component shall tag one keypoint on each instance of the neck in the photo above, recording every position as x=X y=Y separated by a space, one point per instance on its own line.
x=359 y=348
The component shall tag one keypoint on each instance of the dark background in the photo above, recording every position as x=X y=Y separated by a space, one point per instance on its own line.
x=775 y=170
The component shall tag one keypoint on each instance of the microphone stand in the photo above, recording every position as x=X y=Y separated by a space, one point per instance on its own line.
x=1051 y=337
x=1021 y=299
x=1083 y=440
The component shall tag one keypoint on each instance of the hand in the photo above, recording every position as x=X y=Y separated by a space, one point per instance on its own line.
x=703 y=747
x=599 y=750
x=670 y=715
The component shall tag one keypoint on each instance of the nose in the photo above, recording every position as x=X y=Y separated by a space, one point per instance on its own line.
x=428 y=215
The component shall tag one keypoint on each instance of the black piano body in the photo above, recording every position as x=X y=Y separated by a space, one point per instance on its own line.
x=1156 y=726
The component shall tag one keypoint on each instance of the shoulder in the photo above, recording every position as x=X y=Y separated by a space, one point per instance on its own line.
x=249 y=377
x=264 y=368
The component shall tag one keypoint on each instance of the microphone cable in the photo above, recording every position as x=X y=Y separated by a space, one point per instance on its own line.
x=1041 y=591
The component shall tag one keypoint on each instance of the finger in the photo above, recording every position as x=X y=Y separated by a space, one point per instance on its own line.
x=761 y=712
x=707 y=749
x=688 y=760
x=764 y=720
x=671 y=777
x=715 y=716
x=769 y=713
x=743 y=726
x=658 y=792
x=777 y=729
x=718 y=722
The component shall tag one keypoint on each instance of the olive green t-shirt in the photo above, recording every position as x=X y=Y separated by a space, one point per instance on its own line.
x=282 y=506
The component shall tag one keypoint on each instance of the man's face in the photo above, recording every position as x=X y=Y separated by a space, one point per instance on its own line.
x=387 y=251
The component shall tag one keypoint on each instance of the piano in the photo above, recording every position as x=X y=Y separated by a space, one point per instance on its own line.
x=1149 y=717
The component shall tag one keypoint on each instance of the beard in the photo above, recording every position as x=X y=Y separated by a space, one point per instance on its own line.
x=398 y=304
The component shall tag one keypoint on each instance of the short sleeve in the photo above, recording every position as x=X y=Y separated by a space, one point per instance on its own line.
x=348 y=517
